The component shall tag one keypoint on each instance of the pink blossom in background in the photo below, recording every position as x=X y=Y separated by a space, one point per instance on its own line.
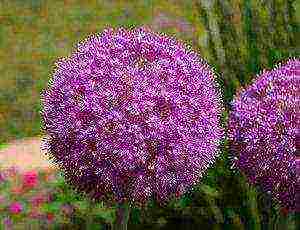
x=30 y=179
x=35 y=214
x=15 y=208
x=38 y=200
x=8 y=173
x=12 y=171
x=7 y=223
x=2 y=177
x=2 y=199
x=49 y=197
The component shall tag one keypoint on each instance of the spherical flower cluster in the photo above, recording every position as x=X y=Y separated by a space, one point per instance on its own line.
x=264 y=132
x=132 y=114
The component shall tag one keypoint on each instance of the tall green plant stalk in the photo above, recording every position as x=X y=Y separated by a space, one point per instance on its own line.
x=89 y=220
x=242 y=37
x=122 y=216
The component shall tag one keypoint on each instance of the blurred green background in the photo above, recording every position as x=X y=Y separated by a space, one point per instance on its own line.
x=239 y=38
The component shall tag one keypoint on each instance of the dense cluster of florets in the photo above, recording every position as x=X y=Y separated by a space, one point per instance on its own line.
x=264 y=132
x=132 y=114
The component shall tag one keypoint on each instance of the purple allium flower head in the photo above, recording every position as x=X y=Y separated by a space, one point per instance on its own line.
x=132 y=114
x=264 y=132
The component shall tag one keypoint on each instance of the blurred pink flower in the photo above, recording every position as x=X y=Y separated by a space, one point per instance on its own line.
x=30 y=179
x=38 y=200
x=12 y=171
x=2 y=177
x=2 y=199
x=50 y=197
x=15 y=208
x=35 y=214
x=7 y=223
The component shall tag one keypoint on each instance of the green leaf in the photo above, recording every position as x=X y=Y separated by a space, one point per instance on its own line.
x=53 y=207
x=135 y=215
x=161 y=221
x=3 y=145
x=217 y=214
x=209 y=191
x=184 y=201
x=107 y=214
x=82 y=205
x=94 y=226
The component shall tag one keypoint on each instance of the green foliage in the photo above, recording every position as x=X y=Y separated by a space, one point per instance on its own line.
x=52 y=207
x=3 y=145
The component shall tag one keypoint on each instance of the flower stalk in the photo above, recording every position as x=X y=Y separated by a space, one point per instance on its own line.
x=122 y=216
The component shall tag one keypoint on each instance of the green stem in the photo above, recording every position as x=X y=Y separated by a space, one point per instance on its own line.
x=89 y=220
x=123 y=212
